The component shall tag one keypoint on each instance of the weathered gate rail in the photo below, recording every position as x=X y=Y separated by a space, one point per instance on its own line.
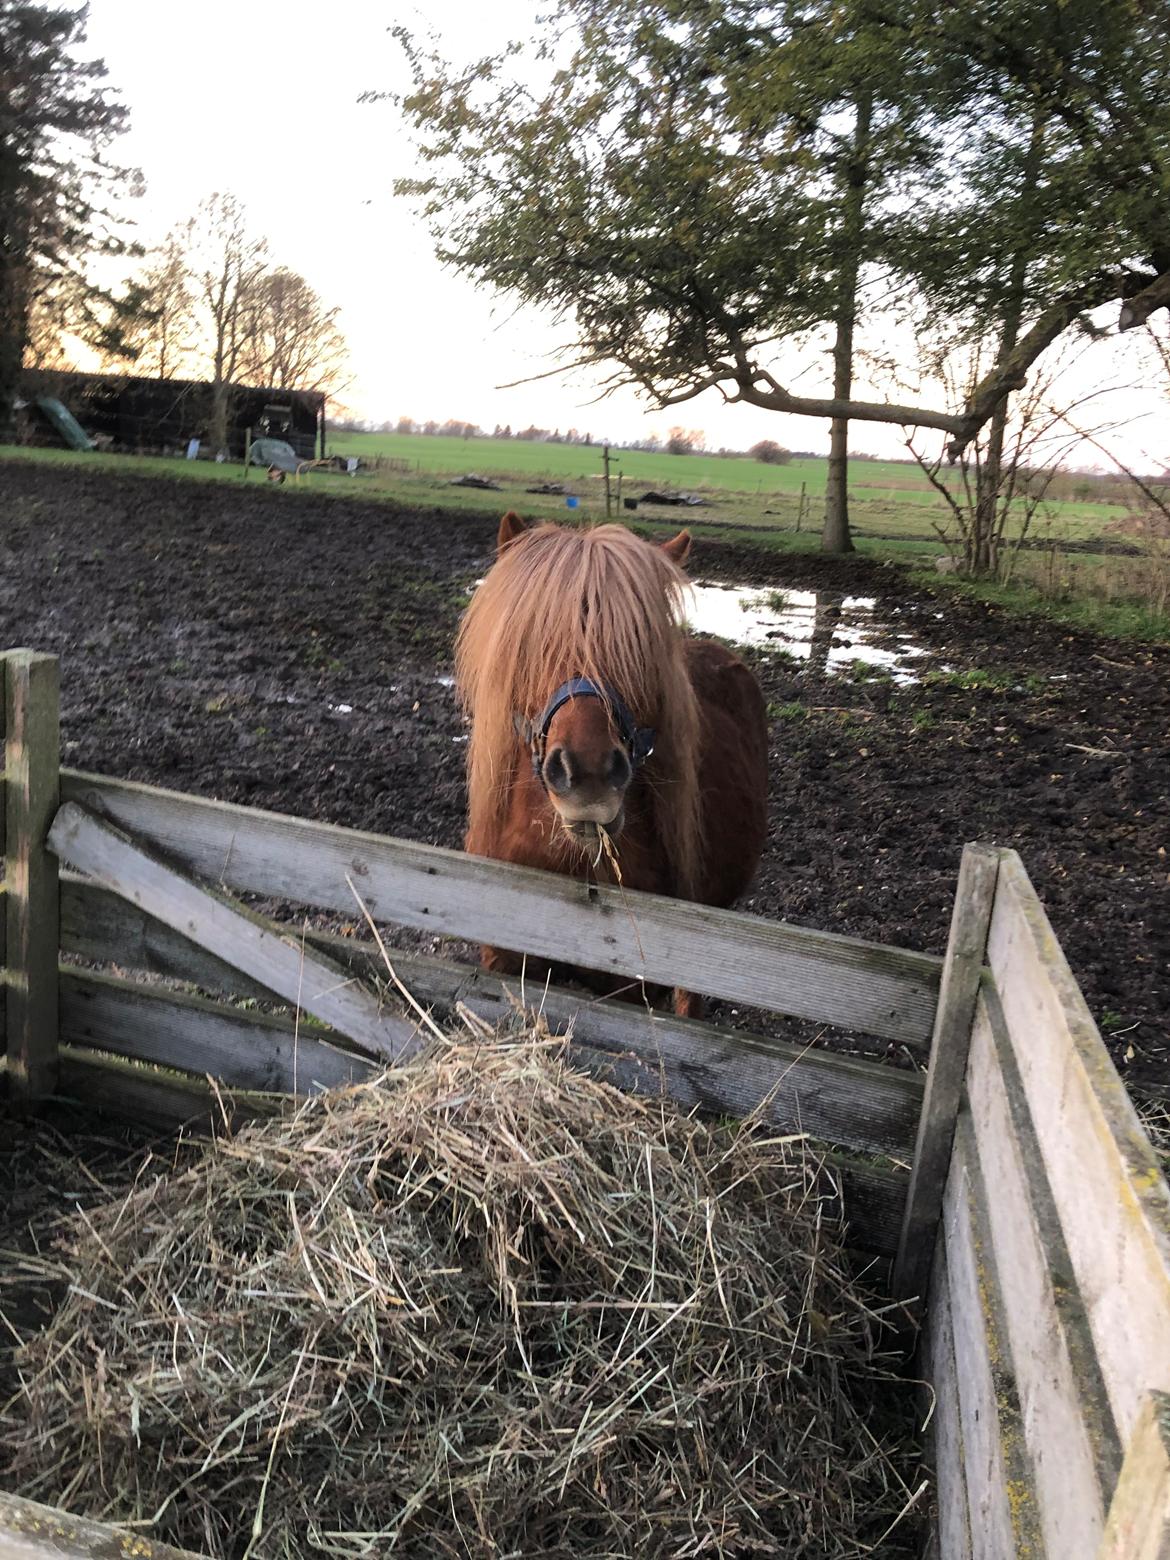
x=1024 y=1200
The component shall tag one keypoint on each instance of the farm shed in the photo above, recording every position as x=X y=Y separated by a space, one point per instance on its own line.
x=1010 y=1189
x=144 y=416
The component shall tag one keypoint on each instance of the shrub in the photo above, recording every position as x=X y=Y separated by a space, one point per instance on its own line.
x=771 y=453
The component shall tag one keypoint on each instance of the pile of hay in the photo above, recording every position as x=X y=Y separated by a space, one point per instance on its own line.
x=485 y=1305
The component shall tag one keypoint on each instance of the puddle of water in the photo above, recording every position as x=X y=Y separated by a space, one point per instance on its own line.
x=824 y=627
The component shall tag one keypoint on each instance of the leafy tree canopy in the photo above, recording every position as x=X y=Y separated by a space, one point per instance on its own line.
x=671 y=187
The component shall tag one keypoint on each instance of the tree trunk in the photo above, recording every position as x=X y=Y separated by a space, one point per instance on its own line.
x=835 y=537
x=10 y=365
x=984 y=538
x=218 y=431
x=983 y=542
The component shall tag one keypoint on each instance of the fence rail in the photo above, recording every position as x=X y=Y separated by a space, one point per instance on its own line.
x=842 y=1100
x=139 y=908
x=887 y=992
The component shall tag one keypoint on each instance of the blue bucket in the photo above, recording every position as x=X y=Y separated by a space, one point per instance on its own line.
x=571 y=503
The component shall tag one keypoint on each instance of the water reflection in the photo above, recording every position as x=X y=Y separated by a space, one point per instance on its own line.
x=826 y=628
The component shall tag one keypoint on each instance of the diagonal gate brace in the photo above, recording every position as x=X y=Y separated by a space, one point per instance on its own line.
x=247 y=942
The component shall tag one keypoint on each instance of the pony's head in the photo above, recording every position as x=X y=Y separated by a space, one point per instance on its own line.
x=571 y=657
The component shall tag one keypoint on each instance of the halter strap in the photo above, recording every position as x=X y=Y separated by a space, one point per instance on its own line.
x=637 y=740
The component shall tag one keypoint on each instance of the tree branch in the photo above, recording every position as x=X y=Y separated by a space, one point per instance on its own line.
x=1011 y=372
x=757 y=387
x=777 y=399
x=1137 y=310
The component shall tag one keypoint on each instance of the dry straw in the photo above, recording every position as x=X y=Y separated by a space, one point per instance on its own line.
x=485 y=1305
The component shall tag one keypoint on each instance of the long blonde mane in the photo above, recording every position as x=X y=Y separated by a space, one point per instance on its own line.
x=600 y=604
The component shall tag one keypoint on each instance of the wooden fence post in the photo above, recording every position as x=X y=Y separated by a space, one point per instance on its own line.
x=32 y=743
x=962 y=970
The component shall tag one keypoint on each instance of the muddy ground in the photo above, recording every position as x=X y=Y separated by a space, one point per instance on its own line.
x=289 y=651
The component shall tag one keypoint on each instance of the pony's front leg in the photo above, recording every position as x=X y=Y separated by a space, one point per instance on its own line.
x=687 y=1004
x=500 y=961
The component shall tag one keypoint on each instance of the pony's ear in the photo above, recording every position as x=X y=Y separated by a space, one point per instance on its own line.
x=511 y=527
x=678 y=549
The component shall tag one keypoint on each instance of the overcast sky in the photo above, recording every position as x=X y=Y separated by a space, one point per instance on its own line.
x=264 y=104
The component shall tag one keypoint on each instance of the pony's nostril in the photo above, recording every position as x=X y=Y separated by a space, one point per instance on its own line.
x=558 y=771
x=618 y=771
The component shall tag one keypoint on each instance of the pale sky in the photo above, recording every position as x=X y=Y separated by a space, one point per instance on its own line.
x=263 y=103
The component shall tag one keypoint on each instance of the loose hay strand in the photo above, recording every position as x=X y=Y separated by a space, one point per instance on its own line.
x=483 y=1304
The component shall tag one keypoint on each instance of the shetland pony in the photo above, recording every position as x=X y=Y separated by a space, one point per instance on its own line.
x=605 y=741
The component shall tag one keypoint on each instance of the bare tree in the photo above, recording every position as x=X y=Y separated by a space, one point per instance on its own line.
x=770 y=453
x=685 y=441
x=1000 y=484
x=227 y=263
x=291 y=340
x=163 y=336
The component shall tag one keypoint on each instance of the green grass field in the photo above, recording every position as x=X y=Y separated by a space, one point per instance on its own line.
x=887 y=497
x=579 y=463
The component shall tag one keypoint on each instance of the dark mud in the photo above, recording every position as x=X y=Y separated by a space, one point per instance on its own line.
x=286 y=650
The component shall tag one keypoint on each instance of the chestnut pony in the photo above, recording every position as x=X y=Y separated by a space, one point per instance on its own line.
x=594 y=714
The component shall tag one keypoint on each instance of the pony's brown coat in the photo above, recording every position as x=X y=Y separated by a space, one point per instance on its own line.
x=599 y=604
x=605 y=605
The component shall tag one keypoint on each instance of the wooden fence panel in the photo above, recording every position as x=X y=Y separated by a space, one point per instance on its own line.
x=32 y=746
x=875 y=990
x=1110 y=1196
x=1068 y=1425
x=155 y=1096
x=962 y=966
x=953 y=1523
x=843 y=1100
x=1000 y=1488
x=265 y=952
x=245 y=1050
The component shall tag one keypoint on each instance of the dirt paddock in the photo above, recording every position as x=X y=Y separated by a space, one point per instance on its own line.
x=294 y=652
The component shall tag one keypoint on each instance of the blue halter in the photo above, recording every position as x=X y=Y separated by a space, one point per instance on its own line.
x=638 y=741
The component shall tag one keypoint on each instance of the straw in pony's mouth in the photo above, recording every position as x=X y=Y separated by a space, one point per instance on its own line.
x=595 y=840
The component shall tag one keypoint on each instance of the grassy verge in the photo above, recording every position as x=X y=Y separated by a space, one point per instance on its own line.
x=172 y=466
x=1114 y=619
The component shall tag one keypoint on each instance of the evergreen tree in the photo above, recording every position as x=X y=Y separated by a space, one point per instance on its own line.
x=57 y=121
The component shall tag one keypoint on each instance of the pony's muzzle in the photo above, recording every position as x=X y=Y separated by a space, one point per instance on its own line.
x=587 y=797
